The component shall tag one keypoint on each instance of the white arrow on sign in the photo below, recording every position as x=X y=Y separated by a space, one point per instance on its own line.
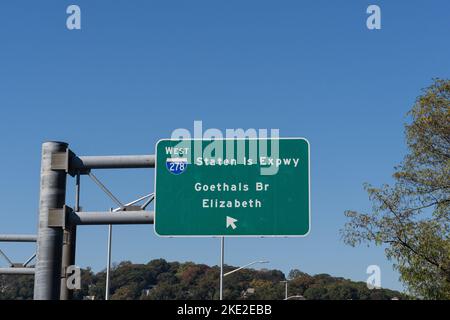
x=230 y=222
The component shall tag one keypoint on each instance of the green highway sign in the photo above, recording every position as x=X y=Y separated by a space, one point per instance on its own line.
x=232 y=187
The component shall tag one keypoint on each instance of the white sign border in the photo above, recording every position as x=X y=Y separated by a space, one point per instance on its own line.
x=235 y=236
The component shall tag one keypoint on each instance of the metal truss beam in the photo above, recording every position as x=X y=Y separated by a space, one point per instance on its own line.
x=17 y=271
x=18 y=238
x=87 y=163
x=118 y=217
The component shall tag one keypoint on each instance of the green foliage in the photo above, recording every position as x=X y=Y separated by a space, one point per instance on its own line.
x=162 y=280
x=16 y=287
x=295 y=273
x=411 y=218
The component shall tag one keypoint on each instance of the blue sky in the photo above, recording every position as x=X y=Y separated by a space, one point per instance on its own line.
x=139 y=69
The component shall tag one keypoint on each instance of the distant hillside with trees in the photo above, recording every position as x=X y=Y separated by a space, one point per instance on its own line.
x=162 y=280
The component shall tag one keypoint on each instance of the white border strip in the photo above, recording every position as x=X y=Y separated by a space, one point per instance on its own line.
x=228 y=235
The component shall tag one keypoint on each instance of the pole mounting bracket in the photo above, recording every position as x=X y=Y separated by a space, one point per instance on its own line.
x=62 y=161
x=59 y=218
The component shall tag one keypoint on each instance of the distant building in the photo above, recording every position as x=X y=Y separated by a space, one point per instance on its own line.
x=248 y=292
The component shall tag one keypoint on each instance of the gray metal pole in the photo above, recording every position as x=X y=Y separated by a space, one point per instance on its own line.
x=119 y=217
x=2 y=254
x=68 y=259
x=243 y=267
x=77 y=191
x=105 y=190
x=47 y=280
x=29 y=260
x=285 y=290
x=222 y=251
x=17 y=271
x=18 y=238
x=108 y=262
x=69 y=246
x=112 y=162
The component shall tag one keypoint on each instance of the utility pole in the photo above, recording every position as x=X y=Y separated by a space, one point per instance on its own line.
x=47 y=280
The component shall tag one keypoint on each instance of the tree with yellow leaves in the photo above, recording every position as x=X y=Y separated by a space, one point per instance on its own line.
x=411 y=218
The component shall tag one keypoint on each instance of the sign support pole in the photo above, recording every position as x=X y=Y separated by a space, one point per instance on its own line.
x=222 y=250
x=108 y=262
x=69 y=246
x=47 y=280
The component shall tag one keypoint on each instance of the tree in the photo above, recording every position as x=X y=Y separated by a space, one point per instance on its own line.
x=19 y=287
x=299 y=283
x=207 y=287
x=316 y=293
x=295 y=273
x=266 y=290
x=162 y=280
x=342 y=291
x=411 y=218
